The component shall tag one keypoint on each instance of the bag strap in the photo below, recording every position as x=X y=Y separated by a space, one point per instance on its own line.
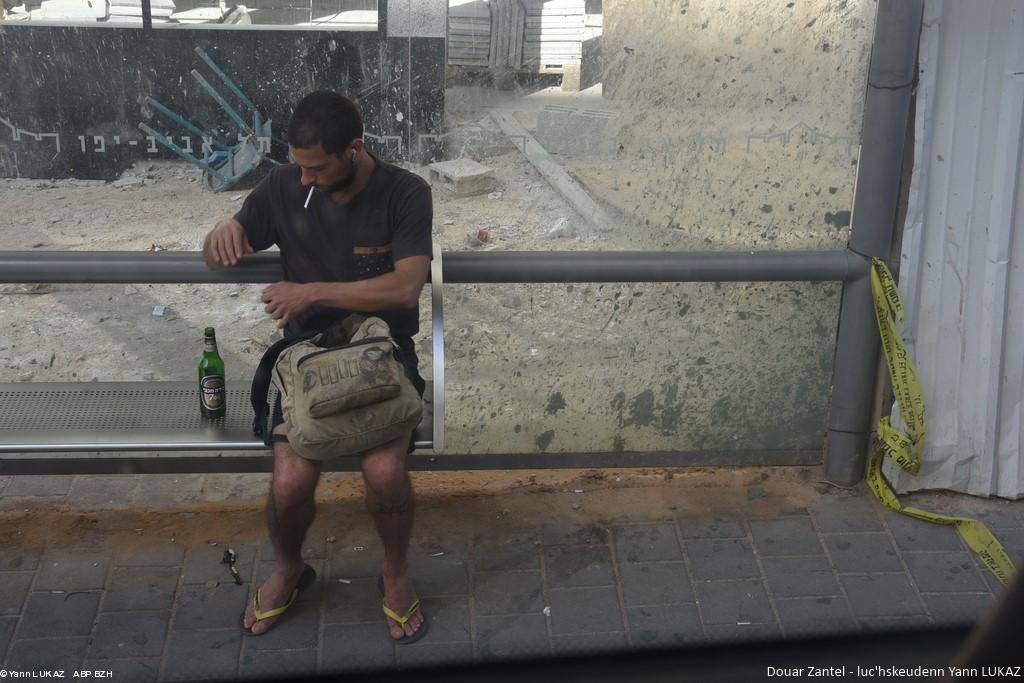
x=261 y=384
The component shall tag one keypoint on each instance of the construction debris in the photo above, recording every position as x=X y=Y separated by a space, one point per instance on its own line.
x=562 y=229
x=554 y=32
x=463 y=177
x=469 y=33
x=557 y=176
x=578 y=132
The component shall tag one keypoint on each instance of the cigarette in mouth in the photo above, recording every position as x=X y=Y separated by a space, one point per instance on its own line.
x=309 y=196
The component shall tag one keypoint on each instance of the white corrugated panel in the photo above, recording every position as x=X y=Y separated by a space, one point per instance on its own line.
x=962 y=269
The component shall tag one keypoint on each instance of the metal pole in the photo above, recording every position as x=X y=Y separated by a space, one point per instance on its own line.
x=132 y=267
x=166 y=142
x=638 y=266
x=222 y=102
x=459 y=267
x=150 y=102
x=886 y=107
x=227 y=81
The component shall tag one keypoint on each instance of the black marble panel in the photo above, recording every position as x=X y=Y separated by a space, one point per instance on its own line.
x=84 y=88
x=426 y=95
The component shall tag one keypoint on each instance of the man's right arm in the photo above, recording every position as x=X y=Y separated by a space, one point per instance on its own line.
x=225 y=244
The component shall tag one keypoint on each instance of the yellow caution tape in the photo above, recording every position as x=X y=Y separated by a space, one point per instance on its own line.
x=905 y=449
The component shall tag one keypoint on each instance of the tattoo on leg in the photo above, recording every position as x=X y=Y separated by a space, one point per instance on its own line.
x=399 y=509
x=273 y=522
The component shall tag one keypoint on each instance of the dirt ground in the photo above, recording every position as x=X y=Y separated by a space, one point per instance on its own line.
x=468 y=504
x=449 y=505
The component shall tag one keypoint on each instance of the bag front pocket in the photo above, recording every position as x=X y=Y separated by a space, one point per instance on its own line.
x=347 y=377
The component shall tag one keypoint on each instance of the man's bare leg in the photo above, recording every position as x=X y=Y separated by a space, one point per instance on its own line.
x=290 y=512
x=389 y=498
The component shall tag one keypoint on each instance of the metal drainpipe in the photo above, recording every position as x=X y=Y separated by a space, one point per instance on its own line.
x=886 y=106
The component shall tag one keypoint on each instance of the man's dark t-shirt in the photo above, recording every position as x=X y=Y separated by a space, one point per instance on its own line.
x=390 y=219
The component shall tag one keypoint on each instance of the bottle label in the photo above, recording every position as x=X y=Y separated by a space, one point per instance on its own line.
x=210 y=344
x=211 y=391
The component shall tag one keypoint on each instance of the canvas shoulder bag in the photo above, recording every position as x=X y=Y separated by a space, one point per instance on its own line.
x=343 y=391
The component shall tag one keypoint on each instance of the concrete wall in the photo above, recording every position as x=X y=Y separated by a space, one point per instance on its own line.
x=747 y=114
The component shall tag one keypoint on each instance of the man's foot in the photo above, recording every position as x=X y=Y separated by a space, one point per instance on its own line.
x=399 y=598
x=274 y=596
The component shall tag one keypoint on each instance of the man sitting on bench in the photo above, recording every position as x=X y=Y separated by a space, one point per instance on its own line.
x=355 y=235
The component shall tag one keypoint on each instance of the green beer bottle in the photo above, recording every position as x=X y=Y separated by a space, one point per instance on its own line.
x=212 y=394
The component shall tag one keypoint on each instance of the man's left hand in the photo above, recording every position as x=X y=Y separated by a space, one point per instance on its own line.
x=285 y=300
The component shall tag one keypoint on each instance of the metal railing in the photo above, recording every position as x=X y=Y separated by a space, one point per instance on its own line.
x=459 y=267
x=454 y=267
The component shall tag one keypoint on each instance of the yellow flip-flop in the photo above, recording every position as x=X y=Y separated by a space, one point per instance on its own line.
x=403 y=619
x=305 y=580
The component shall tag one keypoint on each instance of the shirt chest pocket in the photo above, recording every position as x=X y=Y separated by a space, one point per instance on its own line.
x=371 y=261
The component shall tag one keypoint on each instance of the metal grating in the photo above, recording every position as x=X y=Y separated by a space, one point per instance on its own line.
x=133 y=416
x=116 y=406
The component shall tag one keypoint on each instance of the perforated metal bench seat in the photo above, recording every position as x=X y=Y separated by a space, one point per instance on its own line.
x=134 y=416
x=80 y=427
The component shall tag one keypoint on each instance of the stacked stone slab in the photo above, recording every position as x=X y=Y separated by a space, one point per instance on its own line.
x=507 y=20
x=554 y=32
x=327 y=14
x=130 y=11
x=516 y=34
x=463 y=177
x=469 y=33
x=577 y=132
x=70 y=10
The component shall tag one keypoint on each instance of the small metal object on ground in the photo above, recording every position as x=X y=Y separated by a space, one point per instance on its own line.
x=229 y=559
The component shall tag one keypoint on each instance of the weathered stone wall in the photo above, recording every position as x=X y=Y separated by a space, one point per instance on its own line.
x=745 y=116
x=737 y=125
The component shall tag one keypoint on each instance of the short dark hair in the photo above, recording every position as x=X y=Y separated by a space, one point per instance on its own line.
x=327 y=119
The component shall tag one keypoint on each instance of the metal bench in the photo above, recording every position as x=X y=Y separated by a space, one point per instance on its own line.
x=161 y=417
x=33 y=440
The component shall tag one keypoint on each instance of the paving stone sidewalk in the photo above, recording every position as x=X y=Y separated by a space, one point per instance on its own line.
x=166 y=612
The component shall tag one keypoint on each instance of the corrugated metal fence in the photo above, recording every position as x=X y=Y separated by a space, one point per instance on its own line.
x=962 y=270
